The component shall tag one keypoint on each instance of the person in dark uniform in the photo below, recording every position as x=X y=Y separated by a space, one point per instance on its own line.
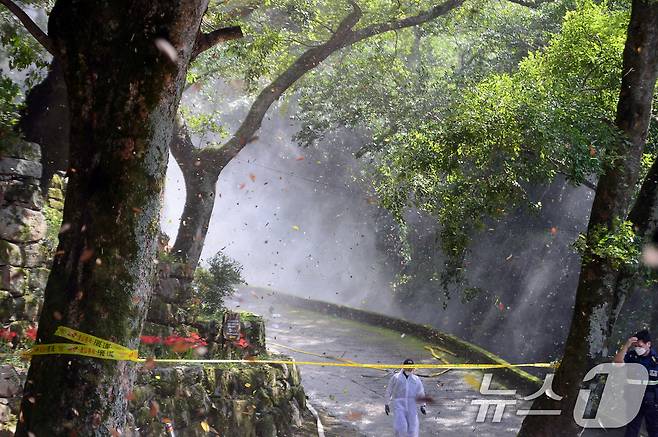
x=637 y=349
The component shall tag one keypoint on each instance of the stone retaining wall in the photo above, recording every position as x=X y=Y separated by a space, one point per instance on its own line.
x=248 y=401
x=23 y=232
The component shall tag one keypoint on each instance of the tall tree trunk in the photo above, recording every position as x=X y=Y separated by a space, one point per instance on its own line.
x=596 y=300
x=123 y=95
x=644 y=216
x=200 y=178
x=45 y=120
x=195 y=218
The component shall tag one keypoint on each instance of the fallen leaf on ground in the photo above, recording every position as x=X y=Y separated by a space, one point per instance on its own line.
x=472 y=381
x=354 y=416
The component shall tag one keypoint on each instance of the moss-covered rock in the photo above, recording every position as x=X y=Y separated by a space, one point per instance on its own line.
x=6 y=306
x=10 y=254
x=56 y=204
x=26 y=308
x=20 y=167
x=14 y=279
x=58 y=182
x=21 y=193
x=21 y=225
x=38 y=279
x=55 y=194
x=18 y=148
x=253 y=400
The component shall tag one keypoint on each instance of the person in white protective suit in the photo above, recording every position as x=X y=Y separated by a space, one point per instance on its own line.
x=402 y=392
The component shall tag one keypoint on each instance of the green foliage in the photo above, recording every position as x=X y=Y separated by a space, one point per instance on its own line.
x=619 y=246
x=10 y=96
x=495 y=36
x=444 y=143
x=23 y=53
x=389 y=83
x=26 y=60
x=554 y=115
x=276 y=32
x=214 y=284
x=53 y=218
x=205 y=125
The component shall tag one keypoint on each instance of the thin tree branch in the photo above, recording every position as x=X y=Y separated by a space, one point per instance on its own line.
x=30 y=25
x=306 y=62
x=530 y=4
x=414 y=20
x=321 y=23
x=204 y=41
x=343 y=37
x=561 y=168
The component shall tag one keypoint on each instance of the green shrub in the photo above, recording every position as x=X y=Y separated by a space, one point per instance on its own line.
x=215 y=283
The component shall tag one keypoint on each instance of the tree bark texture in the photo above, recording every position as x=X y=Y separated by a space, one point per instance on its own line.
x=200 y=188
x=123 y=94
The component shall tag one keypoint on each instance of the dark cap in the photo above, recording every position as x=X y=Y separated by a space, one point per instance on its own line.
x=643 y=335
x=408 y=361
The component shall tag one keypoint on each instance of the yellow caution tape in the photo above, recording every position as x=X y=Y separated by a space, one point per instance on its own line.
x=89 y=346
x=89 y=340
x=360 y=365
x=95 y=347
x=435 y=355
x=330 y=357
x=82 y=349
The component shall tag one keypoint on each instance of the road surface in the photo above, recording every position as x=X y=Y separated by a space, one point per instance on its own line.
x=356 y=396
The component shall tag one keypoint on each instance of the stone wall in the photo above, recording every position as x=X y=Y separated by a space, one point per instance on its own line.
x=23 y=232
x=253 y=401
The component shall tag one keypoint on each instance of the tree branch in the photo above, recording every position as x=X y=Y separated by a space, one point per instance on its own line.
x=181 y=145
x=204 y=41
x=414 y=20
x=343 y=37
x=530 y=4
x=306 y=62
x=30 y=25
